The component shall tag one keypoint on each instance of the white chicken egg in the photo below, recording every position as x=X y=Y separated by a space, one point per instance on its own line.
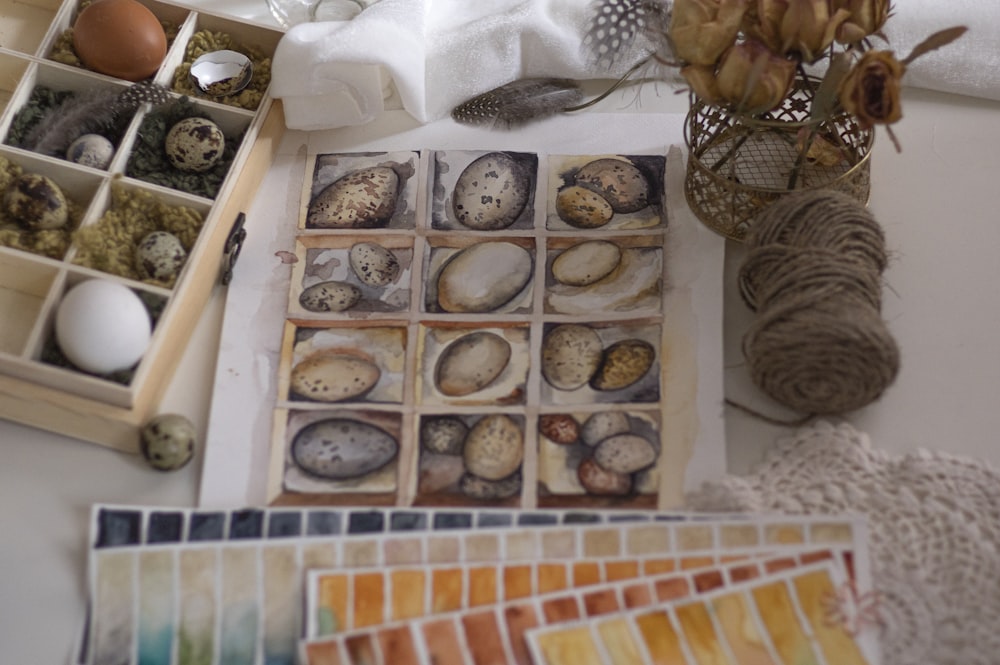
x=102 y=326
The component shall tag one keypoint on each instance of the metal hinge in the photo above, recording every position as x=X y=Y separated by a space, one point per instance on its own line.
x=234 y=244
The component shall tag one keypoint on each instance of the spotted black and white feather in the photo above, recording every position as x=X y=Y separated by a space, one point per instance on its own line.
x=626 y=32
x=518 y=102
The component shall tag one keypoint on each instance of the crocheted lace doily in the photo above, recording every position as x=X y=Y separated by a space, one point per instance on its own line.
x=935 y=534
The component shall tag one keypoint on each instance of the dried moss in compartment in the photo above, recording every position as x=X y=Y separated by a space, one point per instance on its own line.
x=53 y=355
x=52 y=243
x=63 y=51
x=205 y=41
x=109 y=245
x=149 y=162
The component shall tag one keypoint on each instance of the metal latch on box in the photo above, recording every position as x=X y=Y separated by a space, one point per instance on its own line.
x=234 y=243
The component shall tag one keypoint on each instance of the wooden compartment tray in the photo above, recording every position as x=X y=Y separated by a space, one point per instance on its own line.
x=38 y=386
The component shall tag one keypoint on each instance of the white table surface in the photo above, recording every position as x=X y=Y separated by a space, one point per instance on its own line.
x=936 y=201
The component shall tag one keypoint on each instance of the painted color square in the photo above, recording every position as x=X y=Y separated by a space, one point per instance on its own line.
x=601 y=602
x=284 y=524
x=207 y=526
x=118 y=527
x=407 y=521
x=443 y=645
x=570 y=647
x=627 y=517
x=323 y=523
x=452 y=521
x=708 y=580
x=246 y=524
x=581 y=518
x=537 y=519
x=397 y=646
x=561 y=609
x=489 y=520
x=366 y=522
x=520 y=618
x=487 y=647
x=165 y=528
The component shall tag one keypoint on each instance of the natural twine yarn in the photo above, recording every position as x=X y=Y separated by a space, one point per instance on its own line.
x=813 y=274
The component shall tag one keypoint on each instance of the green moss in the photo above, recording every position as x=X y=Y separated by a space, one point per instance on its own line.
x=109 y=244
x=148 y=160
x=205 y=41
x=52 y=243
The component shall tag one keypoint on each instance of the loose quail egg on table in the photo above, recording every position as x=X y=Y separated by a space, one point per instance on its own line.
x=605 y=193
x=483 y=191
x=374 y=191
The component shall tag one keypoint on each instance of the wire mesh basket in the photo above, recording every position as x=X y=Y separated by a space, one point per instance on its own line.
x=738 y=165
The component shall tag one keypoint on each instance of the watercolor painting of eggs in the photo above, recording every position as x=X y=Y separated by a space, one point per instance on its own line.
x=477 y=328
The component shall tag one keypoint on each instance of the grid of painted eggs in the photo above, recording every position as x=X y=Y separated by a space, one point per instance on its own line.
x=475 y=326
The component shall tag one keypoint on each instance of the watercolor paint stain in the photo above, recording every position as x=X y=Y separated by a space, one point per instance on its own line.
x=569 y=647
x=815 y=591
x=619 y=643
x=661 y=639
x=696 y=624
x=739 y=627
x=777 y=612
x=156 y=607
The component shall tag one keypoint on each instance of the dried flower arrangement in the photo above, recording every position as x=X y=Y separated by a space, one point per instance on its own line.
x=744 y=55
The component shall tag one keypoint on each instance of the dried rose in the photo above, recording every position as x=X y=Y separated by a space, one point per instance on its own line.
x=701 y=78
x=866 y=18
x=802 y=27
x=701 y=30
x=753 y=79
x=870 y=91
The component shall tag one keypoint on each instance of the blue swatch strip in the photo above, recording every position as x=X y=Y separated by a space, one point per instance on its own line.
x=121 y=527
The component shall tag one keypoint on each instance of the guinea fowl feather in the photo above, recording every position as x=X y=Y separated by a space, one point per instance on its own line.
x=519 y=102
x=89 y=112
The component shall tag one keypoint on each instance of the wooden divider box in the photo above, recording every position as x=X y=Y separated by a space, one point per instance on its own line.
x=38 y=385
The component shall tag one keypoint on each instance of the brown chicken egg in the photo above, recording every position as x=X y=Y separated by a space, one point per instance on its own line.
x=120 y=38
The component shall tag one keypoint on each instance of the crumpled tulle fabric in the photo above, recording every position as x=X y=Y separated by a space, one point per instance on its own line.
x=935 y=533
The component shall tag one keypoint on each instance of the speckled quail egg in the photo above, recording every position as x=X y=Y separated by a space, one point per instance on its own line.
x=195 y=144
x=91 y=150
x=36 y=202
x=159 y=255
x=167 y=441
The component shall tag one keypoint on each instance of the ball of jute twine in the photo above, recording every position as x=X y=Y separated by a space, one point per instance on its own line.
x=813 y=275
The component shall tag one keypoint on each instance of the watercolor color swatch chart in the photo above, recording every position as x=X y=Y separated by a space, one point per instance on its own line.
x=478 y=586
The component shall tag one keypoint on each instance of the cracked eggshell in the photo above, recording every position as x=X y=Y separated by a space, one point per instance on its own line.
x=333 y=378
x=194 y=145
x=586 y=263
x=619 y=182
x=483 y=277
x=491 y=193
x=342 y=448
x=571 y=353
x=471 y=363
x=374 y=264
x=362 y=199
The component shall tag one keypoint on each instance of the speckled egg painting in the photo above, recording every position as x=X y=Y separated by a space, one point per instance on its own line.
x=480 y=327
